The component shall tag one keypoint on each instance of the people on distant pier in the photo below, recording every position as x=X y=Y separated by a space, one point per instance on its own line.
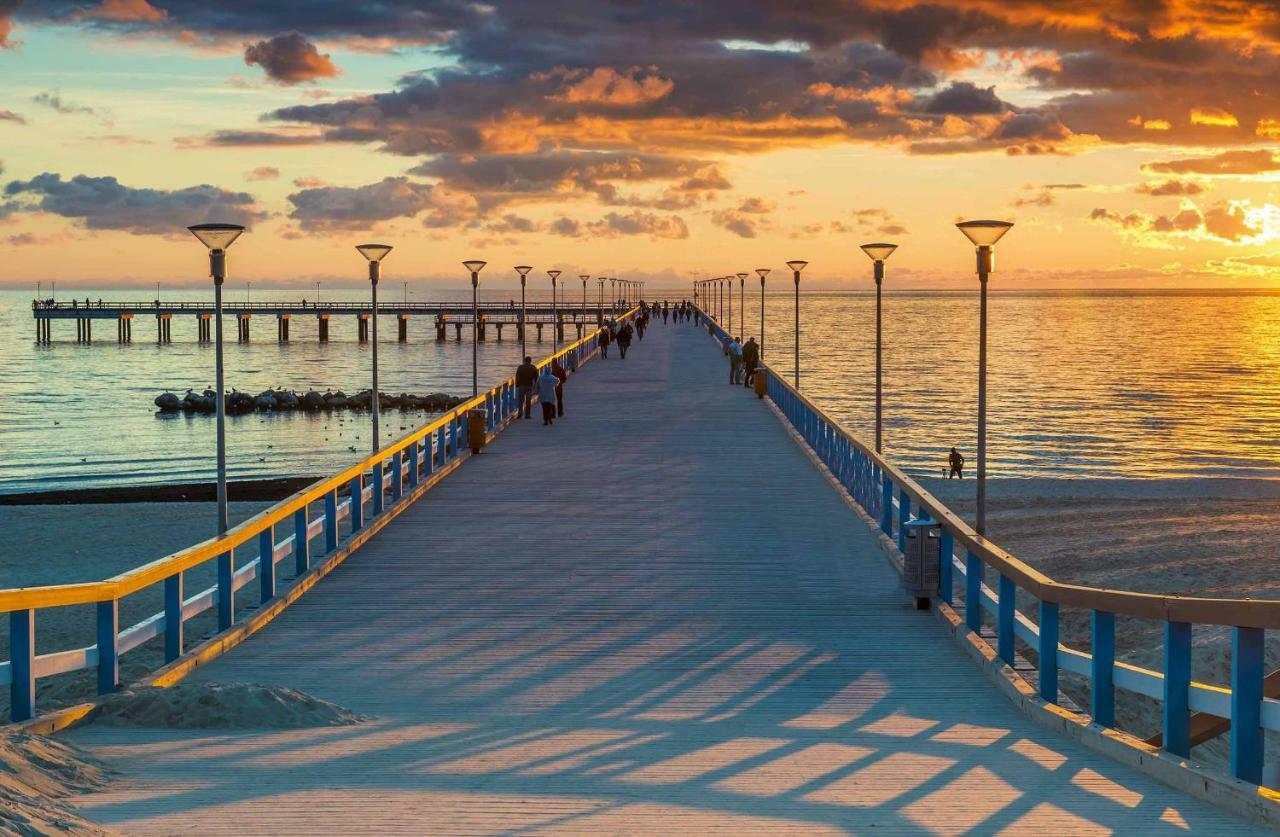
x=526 y=376
x=547 y=384
x=605 y=338
x=957 y=465
x=750 y=360
x=735 y=361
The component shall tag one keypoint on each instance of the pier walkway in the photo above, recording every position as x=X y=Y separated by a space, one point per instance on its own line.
x=657 y=615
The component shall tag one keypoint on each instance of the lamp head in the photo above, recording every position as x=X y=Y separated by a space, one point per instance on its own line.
x=374 y=252
x=475 y=265
x=216 y=236
x=522 y=269
x=879 y=252
x=553 y=274
x=797 y=265
x=584 y=277
x=984 y=233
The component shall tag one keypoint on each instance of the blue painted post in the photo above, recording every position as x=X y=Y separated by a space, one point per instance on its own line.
x=267 y=564
x=1246 y=704
x=357 y=503
x=108 y=646
x=379 y=486
x=22 y=656
x=430 y=452
x=946 y=548
x=331 y=521
x=397 y=476
x=453 y=436
x=1049 y=651
x=173 y=621
x=1177 y=688
x=413 y=464
x=301 y=542
x=226 y=595
x=1004 y=622
x=973 y=591
x=904 y=515
x=1102 y=690
x=886 y=504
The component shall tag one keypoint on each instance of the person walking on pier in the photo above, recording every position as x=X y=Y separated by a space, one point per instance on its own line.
x=750 y=359
x=624 y=339
x=526 y=376
x=547 y=384
x=735 y=361
x=957 y=465
x=605 y=338
x=561 y=376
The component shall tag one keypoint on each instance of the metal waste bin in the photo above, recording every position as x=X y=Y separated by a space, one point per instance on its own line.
x=760 y=382
x=920 y=559
x=477 y=432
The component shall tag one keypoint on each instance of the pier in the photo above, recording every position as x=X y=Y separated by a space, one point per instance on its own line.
x=677 y=610
x=569 y=319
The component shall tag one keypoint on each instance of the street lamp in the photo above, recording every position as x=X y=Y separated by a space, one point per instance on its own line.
x=584 y=277
x=555 y=313
x=878 y=253
x=742 y=302
x=600 y=300
x=218 y=237
x=763 y=272
x=474 y=267
x=375 y=254
x=984 y=235
x=523 y=270
x=797 y=266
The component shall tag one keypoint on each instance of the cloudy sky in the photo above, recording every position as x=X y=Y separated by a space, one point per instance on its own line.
x=1134 y=142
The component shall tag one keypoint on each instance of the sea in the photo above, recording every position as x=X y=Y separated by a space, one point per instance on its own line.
x=1082 y=384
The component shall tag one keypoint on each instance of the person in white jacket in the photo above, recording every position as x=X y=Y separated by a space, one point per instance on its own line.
x=547 y=383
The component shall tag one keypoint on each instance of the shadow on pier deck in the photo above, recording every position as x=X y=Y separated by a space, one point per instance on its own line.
x=656 y=616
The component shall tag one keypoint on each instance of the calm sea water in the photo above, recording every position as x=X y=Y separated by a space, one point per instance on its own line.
x=1082 y=384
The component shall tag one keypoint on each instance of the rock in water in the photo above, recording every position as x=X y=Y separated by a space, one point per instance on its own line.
x=168 y=402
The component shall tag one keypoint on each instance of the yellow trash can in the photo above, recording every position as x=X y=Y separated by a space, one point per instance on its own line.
x=477 y=433
x=760 y=382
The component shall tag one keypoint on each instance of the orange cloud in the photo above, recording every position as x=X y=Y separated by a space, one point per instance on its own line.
x=605 y=85
x=127 y=11
x=1215 y=117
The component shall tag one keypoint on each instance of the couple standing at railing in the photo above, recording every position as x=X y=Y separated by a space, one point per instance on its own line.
x=549 y=385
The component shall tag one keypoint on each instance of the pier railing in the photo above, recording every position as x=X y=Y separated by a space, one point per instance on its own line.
x=305 y=526
x=891 y=498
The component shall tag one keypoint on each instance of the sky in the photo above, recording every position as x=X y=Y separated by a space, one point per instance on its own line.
x=1134 y=143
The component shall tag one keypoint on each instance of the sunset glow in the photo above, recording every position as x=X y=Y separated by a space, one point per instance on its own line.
x=1132 y=143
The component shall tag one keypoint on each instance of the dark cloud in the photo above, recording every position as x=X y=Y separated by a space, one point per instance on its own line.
x=1169 y=188
x=233 y=139
x=103 y=203
x=965 y=99
x=55 y=101
x=290 y=59
x=1226 y=163
x=736 y=222
x=342 y=207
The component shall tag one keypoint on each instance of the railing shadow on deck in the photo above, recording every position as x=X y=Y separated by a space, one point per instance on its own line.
x=1191 y=712
x=381 y=482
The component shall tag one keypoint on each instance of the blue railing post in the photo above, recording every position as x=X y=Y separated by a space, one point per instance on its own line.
x=397 y=476
x=904 y=515
x=267 y=564
x=429 y=453
x=22 y=660
x=301 y=542
x=1102 y=691
x=379 y=486
x=331 y=521
x=946 y=551
x=357 y=503
x=886 y=504
x=412 y=453
x=1049 y=651
x=1177 y=688
x=226 y=591
x=1005 y=617
x=973 y=591
x=1247 y=736
x=173 y=618
x=451 y=450
x=108 y=646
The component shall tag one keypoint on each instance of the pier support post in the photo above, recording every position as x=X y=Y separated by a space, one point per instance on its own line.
x=322 y=322
x=267 y=564
x=457 y=330
x=402 y=325
x=22 y=656
x=363 y=327
x=301 y=542
x=108 y=646
x=1246 y=704
x=379 y=487
x=173 y=618
x=499 y=326
x=226 y=590
x=357 y=504
x=1049 y=651
x=331 y=521
x=479 y=326
x=973 y=592
x=440 y=330
x=204 y=330
x=244 y=327
x=1005 y=612
x=1177 y=688
x=539 y=325
x=282 y=328
x=1102 y=692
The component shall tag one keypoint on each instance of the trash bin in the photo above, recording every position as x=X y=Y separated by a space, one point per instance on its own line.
x=477 y=433
x=920 y=560
x=760 y=382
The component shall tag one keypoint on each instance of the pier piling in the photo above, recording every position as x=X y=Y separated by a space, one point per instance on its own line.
x=322 y=321
x=282 y=328
x=402 y=325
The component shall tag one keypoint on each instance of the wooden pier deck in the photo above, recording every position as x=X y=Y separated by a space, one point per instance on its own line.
x=656 y=616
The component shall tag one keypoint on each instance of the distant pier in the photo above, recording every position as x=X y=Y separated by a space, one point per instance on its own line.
x=566 y=319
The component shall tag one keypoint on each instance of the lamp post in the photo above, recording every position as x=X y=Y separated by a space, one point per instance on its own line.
x=600 y=300
x=584 y=277
x=763 y=272
x=555 y=312
x=374 y=253
x=317 y=293
x=523 y=270
x=878 y=253
x=797 y=266
x=742 y=302
x=474 y=267
x=218 y=237
x=984 y=235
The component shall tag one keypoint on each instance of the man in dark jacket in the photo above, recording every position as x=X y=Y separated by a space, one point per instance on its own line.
x=750 y=359
x=526 y=377
x=624 y=339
